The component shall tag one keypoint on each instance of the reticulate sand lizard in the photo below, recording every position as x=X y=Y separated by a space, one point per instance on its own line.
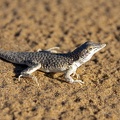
x=50 y=61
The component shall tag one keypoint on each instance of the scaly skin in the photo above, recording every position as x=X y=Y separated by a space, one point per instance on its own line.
x=49 y=61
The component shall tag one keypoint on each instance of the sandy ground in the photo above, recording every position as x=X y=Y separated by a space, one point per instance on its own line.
x=28 y=25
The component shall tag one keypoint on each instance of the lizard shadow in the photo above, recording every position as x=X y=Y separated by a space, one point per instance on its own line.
x=59 y=78
x=19 y=68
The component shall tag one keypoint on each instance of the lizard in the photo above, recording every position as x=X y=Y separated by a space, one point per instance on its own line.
x=51 y=61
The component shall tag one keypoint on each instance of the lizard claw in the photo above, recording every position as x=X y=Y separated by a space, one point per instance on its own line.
x=35 y=79
x=19 y=77
x=78 y=81
x=30 y=76
x=76 y=75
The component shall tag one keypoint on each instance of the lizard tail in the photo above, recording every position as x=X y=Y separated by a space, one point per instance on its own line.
x=6 y=55
x=14 y=57
x=1 y=54
x=1 y=50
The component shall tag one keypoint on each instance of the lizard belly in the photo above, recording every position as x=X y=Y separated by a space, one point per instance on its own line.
x=53 y=69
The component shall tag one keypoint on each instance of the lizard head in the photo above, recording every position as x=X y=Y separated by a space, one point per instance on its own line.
x=92 y=48
x=88 y=49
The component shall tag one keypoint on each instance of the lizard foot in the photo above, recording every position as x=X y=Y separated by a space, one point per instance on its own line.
x=78 y=81
x=76 y=75
x=70 y=80
x=30 y=76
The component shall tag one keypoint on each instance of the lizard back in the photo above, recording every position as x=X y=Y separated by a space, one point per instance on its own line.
x=49 y=61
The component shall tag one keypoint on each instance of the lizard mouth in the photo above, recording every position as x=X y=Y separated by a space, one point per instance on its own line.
x=103 y=45
x=100 y=46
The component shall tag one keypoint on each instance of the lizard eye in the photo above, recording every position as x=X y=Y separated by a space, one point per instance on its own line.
x=90 y=48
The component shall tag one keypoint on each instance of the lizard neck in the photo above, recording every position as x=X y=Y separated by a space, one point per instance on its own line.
x=80 y=55
x=76 y=54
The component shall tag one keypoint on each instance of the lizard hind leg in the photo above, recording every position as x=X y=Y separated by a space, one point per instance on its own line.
x=52 y=50
x=28 y=71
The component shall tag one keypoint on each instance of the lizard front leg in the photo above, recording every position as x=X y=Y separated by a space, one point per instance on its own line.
x=28 y=71
x=70 y=71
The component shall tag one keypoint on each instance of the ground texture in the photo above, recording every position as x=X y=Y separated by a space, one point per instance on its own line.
x=28 y=25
